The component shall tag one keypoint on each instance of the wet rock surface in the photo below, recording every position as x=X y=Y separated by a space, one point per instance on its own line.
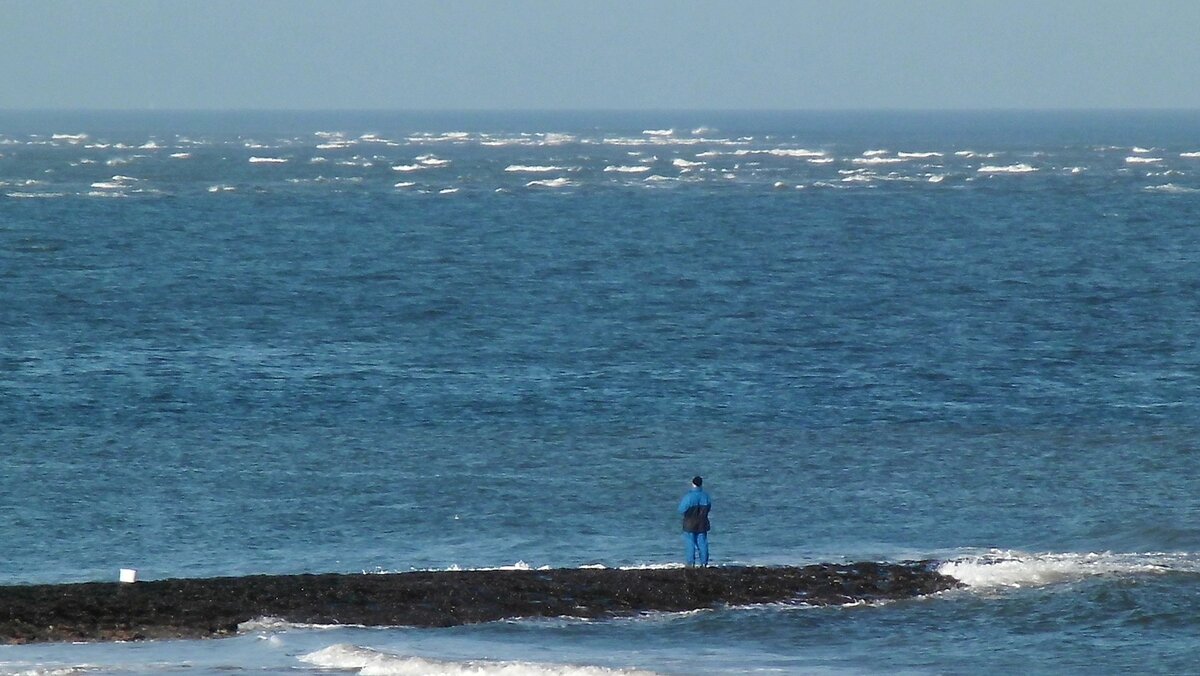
x=212 y=607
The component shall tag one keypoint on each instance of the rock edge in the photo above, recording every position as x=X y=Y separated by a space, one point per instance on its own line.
x=213 y=607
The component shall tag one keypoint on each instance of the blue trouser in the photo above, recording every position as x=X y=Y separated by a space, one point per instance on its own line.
x=697 y=548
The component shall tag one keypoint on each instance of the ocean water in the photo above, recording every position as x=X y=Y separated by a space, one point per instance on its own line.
x=344 y=342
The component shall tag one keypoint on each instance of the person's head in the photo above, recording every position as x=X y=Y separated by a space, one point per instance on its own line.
x=697 y=481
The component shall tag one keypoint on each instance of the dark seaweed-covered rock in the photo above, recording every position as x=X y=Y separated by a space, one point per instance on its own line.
x=214 y=607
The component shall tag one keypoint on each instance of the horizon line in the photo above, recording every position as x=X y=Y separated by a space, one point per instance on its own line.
x=614 y=110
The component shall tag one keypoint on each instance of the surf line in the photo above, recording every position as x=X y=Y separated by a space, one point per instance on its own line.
x=214 y=607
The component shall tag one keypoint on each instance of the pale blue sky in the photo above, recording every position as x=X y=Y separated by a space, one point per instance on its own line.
x=613 y=54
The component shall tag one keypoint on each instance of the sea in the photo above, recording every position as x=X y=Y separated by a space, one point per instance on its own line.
x=377 y=342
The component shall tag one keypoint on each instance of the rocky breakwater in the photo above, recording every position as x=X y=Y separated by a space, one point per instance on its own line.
x=195 y=608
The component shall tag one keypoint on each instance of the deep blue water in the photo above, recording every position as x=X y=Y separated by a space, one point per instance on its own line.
x=235 y=344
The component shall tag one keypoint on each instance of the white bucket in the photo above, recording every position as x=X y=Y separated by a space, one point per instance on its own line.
x=128 y=575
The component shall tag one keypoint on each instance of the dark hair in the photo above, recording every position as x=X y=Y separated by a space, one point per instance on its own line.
x=697 y=481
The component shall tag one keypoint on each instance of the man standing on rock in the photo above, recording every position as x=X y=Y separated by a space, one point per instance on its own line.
x=694 y=507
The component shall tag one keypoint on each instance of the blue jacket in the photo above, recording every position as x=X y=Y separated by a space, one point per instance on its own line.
x=695 y=507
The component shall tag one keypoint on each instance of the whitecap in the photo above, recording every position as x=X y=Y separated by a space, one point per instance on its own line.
x=874 y=153
x=936 y=178
x=533 y=169
x=267 y=160
x=876 y=159
x=376 y=138
x=859 y=178
x=1171 y=188
x=780 y=152
x=447 y=191
x=918 y=155
x=221 y=188
x=1137 y=159
x=432 y=161
x=1190 y=155
x=408 y=167
x=554 y=139
x=1006 y=169
x=1136 y=149
x=116 y=183
x=150 y=145
x=180 y=156
x=686 y=164
x=70 y=138
x=658 y=132
x=626 y=169
x=33 y=195
x=559 y=182
x=404 y=184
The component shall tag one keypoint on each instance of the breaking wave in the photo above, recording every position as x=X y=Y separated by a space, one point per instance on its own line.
x=370 y=662
x=1012 y=569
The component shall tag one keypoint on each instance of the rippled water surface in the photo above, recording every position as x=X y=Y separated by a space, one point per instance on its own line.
x=235 y=344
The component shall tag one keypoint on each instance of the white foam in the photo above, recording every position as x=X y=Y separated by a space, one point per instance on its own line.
x=874 y=153
x=1006 y=169
x=404 y=184
x=370 y=662
x=554 y=139
x=33 y=195
x=267 y=160
x=1010 y=569
x=432 y=161
x=685 y=164
x=116 y=183
x=1170 y=188
x=522 y=565
x=221 y=188
x=52 y=671
x=1136 y=149
x=918 y=155
x=1190 y=155
x=180 y=156
x=859 y=178
x=626 y=169
x=407 y=167
x=778 y=152
x=658 y=132
x=878 y=159
x=70 y=138
x=560 y=182
x=1137 y=159
x=533 y=168
x=447 y=191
